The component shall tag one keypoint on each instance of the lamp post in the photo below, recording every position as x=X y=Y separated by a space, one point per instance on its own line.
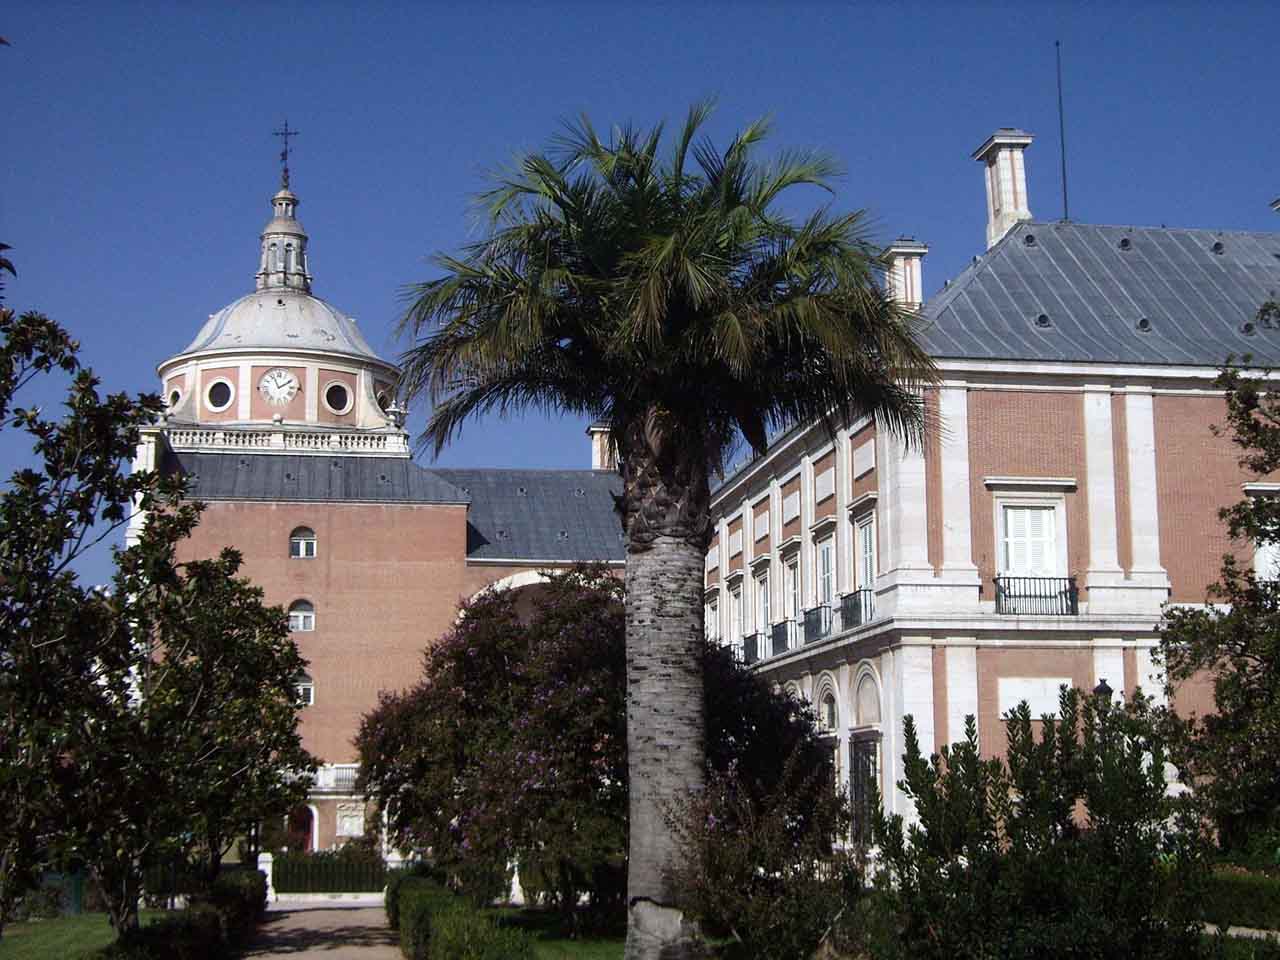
x=1103 y=690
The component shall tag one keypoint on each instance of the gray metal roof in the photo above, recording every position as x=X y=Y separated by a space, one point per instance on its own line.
x=1074 y=292
x=558 y=516
x=246 y=476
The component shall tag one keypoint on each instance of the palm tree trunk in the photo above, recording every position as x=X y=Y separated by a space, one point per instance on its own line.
x=665 y=506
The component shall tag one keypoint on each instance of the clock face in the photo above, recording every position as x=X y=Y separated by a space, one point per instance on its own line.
x=279 y=386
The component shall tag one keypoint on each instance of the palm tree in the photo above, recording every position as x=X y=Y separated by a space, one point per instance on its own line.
x=665 y=294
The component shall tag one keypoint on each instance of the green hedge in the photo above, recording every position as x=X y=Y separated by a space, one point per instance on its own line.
x=396 y=877
x=1243 y=900
x=320 y=873
x=213 y=927
x=470 y=934
x=419 y=903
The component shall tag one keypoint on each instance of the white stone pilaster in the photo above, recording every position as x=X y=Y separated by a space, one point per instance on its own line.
x=1150 y=674
x=957 y=527
x=1104 y=578
x=777 y=604
x=808 y=571
x=313 y=393
x=1144 y=507
x=913 y=694
x=1108 y=664
x=962 y=686
x=244 y=392
x=844 y=525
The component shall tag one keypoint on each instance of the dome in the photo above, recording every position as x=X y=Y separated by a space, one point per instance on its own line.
x=285 y=319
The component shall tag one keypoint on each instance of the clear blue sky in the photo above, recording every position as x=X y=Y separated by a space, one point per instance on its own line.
x=139 y=158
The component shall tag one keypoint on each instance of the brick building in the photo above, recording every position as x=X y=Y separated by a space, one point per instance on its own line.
x=284 y=421
x=1067 y=489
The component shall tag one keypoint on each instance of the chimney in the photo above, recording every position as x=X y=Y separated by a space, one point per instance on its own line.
x=1006 y=181
x=603 y=456
x=903 y=274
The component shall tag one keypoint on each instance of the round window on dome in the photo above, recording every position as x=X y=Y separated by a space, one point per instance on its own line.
x=219 y=395
x=175 y=398
x=337 y=398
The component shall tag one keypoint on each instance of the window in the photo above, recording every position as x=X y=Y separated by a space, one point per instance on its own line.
x=302 y=543
x=1266 y=561
x=712 y=620
x=791 y=587
x=830 y=717
x=337 y=398
x=1028 y=545
x=306 y=690
x=219 y=395
x=735 y=614
x=302 y=617
x=825 y=554
x=762 y=603
x=864 y=543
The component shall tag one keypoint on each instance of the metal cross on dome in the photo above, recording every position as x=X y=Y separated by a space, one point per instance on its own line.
x=284 y=133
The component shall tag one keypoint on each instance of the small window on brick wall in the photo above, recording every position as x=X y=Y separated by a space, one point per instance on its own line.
x=302 y=543
x=302 y=616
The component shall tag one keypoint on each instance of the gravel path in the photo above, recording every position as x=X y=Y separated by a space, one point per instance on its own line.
x=331 y=933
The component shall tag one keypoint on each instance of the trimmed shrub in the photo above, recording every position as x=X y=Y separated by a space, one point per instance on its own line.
x=420 y=900
x=1235 y=898
x=396 y=877
x=214 y=924
x=469 y=934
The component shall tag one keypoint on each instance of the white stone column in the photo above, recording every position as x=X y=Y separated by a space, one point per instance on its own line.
x=962 y=686
x=266 y=865
x=890 y=732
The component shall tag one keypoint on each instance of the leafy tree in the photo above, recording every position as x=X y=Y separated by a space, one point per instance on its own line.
x=57 y=638
x=141 y=721
x=199 y=740
x=513 y=745
x=667 y=295
x=1069 y=847
x=1232 y=756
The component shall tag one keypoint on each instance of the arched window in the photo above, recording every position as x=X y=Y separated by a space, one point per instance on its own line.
x=288 y=258
x=302 y=616
x=830 y=717
x=868 y=701
x=302 y=543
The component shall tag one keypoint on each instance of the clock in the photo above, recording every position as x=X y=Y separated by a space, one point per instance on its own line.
x=279 y=386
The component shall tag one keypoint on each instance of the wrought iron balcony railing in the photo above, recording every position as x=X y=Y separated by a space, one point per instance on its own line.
x=817 y=623
x=1037 y=596
x=783 y=636
x=856 y=608
x=751 y=648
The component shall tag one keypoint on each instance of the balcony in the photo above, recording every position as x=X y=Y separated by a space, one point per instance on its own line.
x=817 y=623
x=752 y=648
x=335 y=778
x=783 y=636
x=1037 y=596
x=856 y=608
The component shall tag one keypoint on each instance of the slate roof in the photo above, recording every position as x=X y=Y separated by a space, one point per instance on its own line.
x=247 y=476
x=551 y=515
x=555 y=516
x=1078 y=293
